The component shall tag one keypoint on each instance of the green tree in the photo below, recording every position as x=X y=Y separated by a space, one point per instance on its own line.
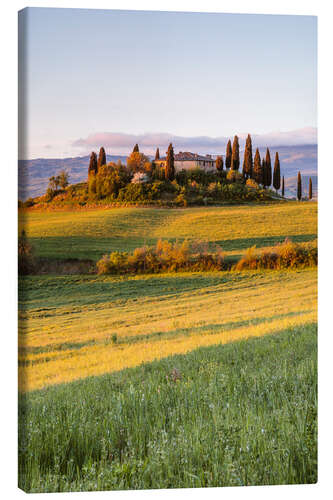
x=157 y=154
x=136 y=148
x=235 y=154
x=63 y=179
x=276 y=173
x=228 y=155
x=92 y=169
x=299 y=186
x=170 y=164
x=219 y=163
x=283 y=187
x=257 y=168
x=53 y=183
x=310 y=189
x=101 y=158
x=268 y=166
x=248 y=160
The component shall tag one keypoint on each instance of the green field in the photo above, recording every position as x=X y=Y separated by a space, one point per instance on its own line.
x=91 y=234
x=228 y=415
x=167 y=380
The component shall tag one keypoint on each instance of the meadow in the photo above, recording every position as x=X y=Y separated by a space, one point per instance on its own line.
x=167 y=380
x=89 y=234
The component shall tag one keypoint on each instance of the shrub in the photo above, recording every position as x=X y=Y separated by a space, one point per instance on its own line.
x=234 y=176
x=26 y=260
x=252 y=184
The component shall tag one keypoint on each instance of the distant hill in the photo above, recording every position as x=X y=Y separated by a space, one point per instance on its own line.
x=34 y=174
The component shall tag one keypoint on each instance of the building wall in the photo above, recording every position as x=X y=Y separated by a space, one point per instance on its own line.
x=188 y=164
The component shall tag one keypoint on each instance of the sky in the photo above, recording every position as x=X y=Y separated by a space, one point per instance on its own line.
x=104 y=77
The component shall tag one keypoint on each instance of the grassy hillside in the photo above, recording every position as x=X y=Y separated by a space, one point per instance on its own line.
x=227 y=415
x=91 y=234
x=75 y=326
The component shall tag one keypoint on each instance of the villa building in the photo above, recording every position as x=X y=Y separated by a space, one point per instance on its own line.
x=187 y=160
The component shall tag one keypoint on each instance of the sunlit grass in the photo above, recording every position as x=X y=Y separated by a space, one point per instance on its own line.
x=151 y=317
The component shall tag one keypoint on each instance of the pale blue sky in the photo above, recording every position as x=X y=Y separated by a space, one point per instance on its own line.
x=187 y=74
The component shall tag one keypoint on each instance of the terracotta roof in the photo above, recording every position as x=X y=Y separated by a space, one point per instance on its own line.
x=187 y=156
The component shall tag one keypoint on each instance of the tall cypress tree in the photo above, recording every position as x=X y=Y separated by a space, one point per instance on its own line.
x=248 y=160
x=92 y=169
x=228 y=155
x=268 y=168
x=310 y=189
x=136 y=148
x=264 y=173
x=276 y=173
x=101 y=158
x=157 y=154
x=283 y=187
x=219 y=163
x=170 y=164
x=235 y=154
x=299 y=186
x=257 y=168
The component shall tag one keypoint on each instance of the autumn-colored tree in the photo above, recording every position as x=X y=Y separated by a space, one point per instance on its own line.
x=276 y=173
x=157 y=154
x=228 y=155
x=310 y=189
x=248 y=160
x=136 y=148
x=235 y=154
x=282 y=191
x=299 y=186
x=92 y=169
x=219 y=163
x=257 y=174
x=170 y=164
x=268 y=167
x=101 y=158
x=137 y=162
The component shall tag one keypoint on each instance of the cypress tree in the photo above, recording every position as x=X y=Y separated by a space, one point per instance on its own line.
x=310 y=189
x=101 y=158
x=136 y=149
x=283 y=187
x=264 y=173
x=228 y=155
x=257 y=168
x=92 y=169
x=170 y=164
x=299 y=186
x=235 y=154
x=157 y=154
x=248 y=160
x=219 y=163
x=268 y=168
x=276 y=173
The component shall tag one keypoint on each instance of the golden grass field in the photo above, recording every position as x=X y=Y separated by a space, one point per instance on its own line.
x=89 y=234
x=68 y=324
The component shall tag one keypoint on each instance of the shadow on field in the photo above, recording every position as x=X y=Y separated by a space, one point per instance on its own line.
x=265 y=241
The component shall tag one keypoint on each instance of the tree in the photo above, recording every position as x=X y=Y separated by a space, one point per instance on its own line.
x=138 y=162
x=276 y=173
x=264 y=173
x=228 y=155
x=157 y=154
x=63 y=179
x=92 y=169
x=268 y=167
x=299 y=186
x=219 y=163
x=248 y=160
x=101 y=158
x=170 y=164
x=310 y=189
x=136 y=148
x=235 y=154
x=53 y=183
x=283 y=187
x=257 y=168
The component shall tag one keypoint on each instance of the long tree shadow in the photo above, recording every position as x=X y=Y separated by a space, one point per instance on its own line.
x=264 y=241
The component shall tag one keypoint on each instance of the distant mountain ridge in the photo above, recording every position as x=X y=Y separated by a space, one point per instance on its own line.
x=34 y=174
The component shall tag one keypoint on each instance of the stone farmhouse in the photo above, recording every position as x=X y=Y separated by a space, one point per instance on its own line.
x=187 y=160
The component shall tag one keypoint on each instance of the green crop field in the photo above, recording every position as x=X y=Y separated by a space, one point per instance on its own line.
x=93 y=233
x=167 y=380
